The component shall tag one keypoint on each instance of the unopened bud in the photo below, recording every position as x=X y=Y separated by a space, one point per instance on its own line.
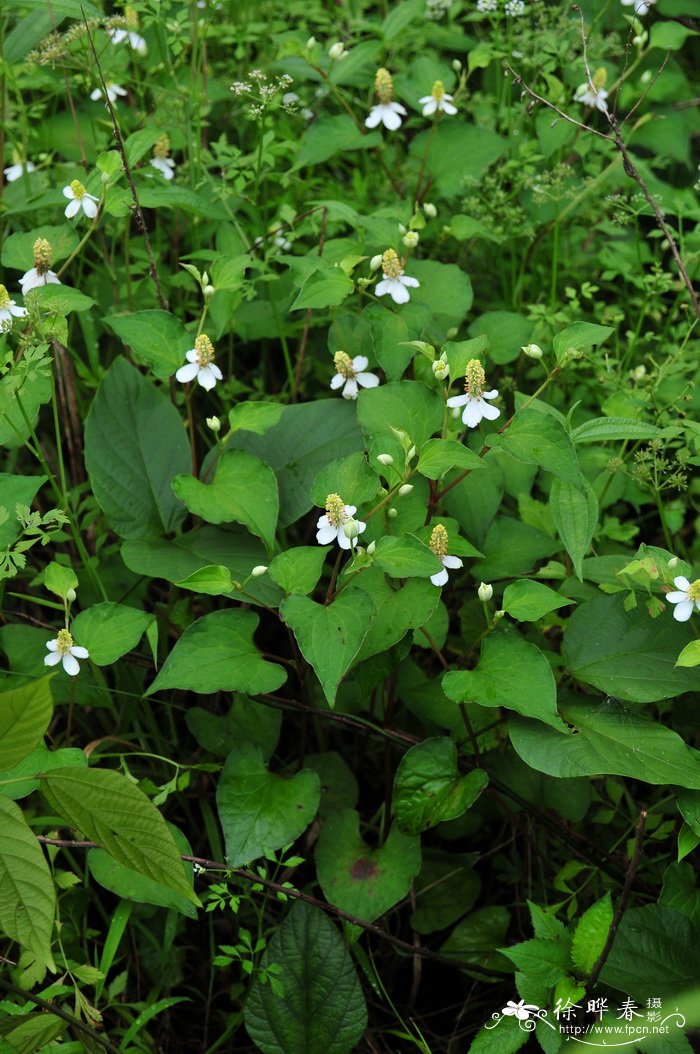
x=673 y=563
x=376 y=262
x=411 y=239
x=485 y=592
x=392 y=514
x=337 y=51
x=429 y=210
x=411 y=454
x=259 y=569
x=214 y=423
x=533 y=351
x=405 y=489
x=310 y=43
x=440 y=369
x=385 y=459
x=452 y=332
x=370 y=548
x=208 y=292
x=639 y=373
x=351 y=530
x=456 y=65
x=71 y=595
x=498 y=614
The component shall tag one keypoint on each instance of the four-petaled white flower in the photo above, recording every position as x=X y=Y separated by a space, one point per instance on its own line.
x=200 y=364
x=63 y=650
x=473 y=401
x=350 y=373
x=40 y=273
x=14 y=172
x=331 y=527
x=685 y=597
x=438 y=543
x=136 y=42
x=113 y=92
x=640 y=6
x=395 y=281
x=437 y=101
x=386 y=112
x=8 y=310
x=521 y=1010
x=161 y=159
x=80 y=199
x=594 y=93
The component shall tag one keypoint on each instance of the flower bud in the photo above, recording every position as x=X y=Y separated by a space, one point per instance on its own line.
x=485 y=592
x=376 y=262
x=214 y=423
x=310 y=43
x=411 y=454
x=385 y=459
x=370 y=548
x=452 y=332
x=429 y=210
x=392 y=514
x=208 y=292
x=456 y=65
x=337 y=51
x=673 y=563
x=411 y=239
x=639 y=373
x=259 y=569
x=405 y=489
x=71 y=595
x=351 y=530
x=533 y=351
x=440 y=369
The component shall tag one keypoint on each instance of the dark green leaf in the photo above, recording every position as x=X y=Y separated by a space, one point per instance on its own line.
x=429 y=787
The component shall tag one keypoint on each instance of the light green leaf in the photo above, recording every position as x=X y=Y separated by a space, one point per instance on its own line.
x=326 y=288
x=438 y=456
x=512 y=673
x=139 y=143
x=400 y=16
x=627 y=654
x=460 y=352
x=227 y=271
x=135 y=443
x=157 y=339
x=15 y=490
x=243 y=490
x=62 y=299
x=329 y=637
x=59 y=579
x=18 y=248
x=507 y=332
x=406 y=557
x=217 y=654
x=404 y=405
x=109 y=631
x=213 y=580
x=528 y=601
x=254 y=417
x=539 y=439
x=40 y=760
x=321 y=1009
x=591 y=934
x=332 y=135
x=429 y=787
x=508 y=1038
x=350 y=476
x=27 y=893
x=575 y=514
x=24 y=717
x=258 y=811
x=445 y=288
x=298 y=569
x=604 y=429
x=193 y=203
x=610 y=740
x=579 y=335
x=541 y=960
x=458 y=149
x=362 y=881
x=109 y=809
x=690 y=655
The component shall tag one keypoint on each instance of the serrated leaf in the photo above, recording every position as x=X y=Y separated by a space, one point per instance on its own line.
x=591 y=934
x=362 y=881
x=429 y=788
x=575 y=514
x=217 y=654
x=27 y=893
x=546 y=961
x=329 y=637
x=258 y=811
x=109 y=809
x=655 y=949
x=321 y=1009
x=24 y=717
x=243 y=490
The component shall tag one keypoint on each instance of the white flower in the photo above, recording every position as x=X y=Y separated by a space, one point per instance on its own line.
x=135 y=41
x=485 y=592
x=39 y=274
x=440 y=368
x=62 y=649
x=687 y=595
x=331 y=527
x=350 y=373
x=640 y=6
x=166 y=165
x=8 y=311
x=521 y=1010
x=438 y=543
x=475 y=408
x=80 y=199
x=594 y=94
x=514 y=8
x=395 y=281
x=113 y=92
x=386 y=112
x=15 y=171
x=486 y=6
x=200 y=364
x=438 y=100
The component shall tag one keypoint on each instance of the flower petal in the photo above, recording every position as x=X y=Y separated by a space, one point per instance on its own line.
x=68 y=193
x=367 y=380
x=399 y=294
x=677 y=597
x=192 y=355
x=96 y=94
x=349 y=510
x=206 y=378
x=682 y=583
x=326 y=535
x=384 y=287
x=429 y=108
x=489 y=412
x=449 y=108
x=52 y=659
x=374 y=117
x=360 y=362
x=52 y=645
x=89 y=207
x=71 y=208
x=439 y=578
x=79 y=652
x=343 y=542
x=216 y=371
x=337 y=382
x=458 y=400
x=453 y=562
x=71 y=665
x=187 y=373
x=391 y=119
x=681 y=612
x=406 y=279
x=472 y=412
x=398 y=108
x=350 y=389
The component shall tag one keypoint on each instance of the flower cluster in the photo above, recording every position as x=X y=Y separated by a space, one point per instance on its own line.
x=127 y=32
x=686 y=597
x=63 y=650
x=438 y=101
x=473 y=401
x=386 y=112
x=594 y=94
x=13 y=172
x=8 y=310
x=160 y=159
x=640 y=6
x=338 y=523
x=200 y=364
x=261 y=91
x=439 y=541
x=395 y=282
x=350 y=374
x=79 y=199
x=114 y=91
x=40 y=273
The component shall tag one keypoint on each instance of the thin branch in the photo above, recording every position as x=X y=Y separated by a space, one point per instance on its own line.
x=153 y=270
x=622 y=906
